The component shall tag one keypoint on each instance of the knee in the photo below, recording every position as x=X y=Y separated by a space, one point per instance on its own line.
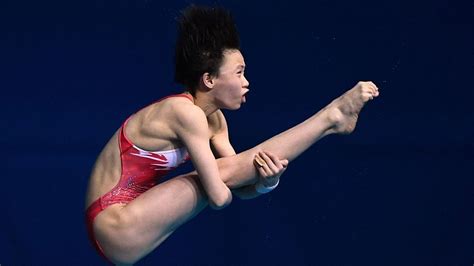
x=125 y=259
x=120 y=262
x=123 y=252
x=119 y=241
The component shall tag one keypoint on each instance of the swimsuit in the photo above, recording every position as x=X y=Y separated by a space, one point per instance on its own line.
x=141 y=170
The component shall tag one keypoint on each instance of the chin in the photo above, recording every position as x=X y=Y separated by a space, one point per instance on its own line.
x=231 y=105
x=235 y=108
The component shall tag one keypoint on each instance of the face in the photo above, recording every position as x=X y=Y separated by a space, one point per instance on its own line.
x=230 y=85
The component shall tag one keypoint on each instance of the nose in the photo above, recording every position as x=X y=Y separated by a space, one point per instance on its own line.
x=246 y=82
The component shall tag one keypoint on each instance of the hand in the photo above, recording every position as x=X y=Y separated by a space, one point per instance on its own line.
x=270 y=167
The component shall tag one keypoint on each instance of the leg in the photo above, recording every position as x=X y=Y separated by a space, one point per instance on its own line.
x=128 y=233
x=340 y=116
x=238 y=170
x=149 y=219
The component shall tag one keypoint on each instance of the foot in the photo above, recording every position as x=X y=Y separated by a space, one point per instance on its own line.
x=344 y=111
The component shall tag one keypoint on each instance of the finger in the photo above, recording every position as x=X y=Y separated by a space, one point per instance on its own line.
x=261 y=162
x=274 y=158
x=260 y=170
x=269 y=164
x=284 y=163
x=265 y=165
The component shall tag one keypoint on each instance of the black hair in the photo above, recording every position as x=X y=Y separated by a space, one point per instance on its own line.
x=204 y=33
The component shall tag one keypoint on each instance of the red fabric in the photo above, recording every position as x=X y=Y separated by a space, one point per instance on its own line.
x=139 y=173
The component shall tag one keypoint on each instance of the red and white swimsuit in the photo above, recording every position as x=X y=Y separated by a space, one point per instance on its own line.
x=141 y=170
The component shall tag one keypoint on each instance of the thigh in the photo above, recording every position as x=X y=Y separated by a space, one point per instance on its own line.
x=144 y=223
x=128 y=233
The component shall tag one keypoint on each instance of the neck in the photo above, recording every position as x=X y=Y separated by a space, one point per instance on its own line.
x=203 y=101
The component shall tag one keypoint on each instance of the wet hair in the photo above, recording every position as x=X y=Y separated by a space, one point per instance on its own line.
x=204 y=33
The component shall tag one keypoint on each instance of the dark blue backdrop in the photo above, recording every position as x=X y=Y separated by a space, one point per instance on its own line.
x=398 y=191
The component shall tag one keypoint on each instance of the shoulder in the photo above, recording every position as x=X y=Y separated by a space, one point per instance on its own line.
x=183 y=115
x=173 y=108
x=172 y=113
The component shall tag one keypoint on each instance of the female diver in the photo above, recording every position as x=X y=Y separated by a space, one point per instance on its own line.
x=129 y=212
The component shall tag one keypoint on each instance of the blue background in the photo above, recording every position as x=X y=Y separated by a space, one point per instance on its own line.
x=398 y=191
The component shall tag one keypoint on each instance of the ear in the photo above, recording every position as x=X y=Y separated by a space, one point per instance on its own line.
x=208 y=80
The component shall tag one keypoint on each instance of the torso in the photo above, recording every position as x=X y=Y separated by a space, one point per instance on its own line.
x=141 y=131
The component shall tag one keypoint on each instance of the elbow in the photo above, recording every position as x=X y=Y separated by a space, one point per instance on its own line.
x=221 y=202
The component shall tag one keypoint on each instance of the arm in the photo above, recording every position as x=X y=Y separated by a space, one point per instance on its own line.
x=223 y=148
x=192 y=129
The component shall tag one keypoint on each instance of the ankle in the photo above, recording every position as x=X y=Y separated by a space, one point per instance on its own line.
x=333 y=118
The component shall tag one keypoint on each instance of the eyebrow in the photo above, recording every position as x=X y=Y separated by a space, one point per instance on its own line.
x=241 y=66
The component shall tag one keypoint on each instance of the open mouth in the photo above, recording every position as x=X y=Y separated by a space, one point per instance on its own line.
x=244 y=99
